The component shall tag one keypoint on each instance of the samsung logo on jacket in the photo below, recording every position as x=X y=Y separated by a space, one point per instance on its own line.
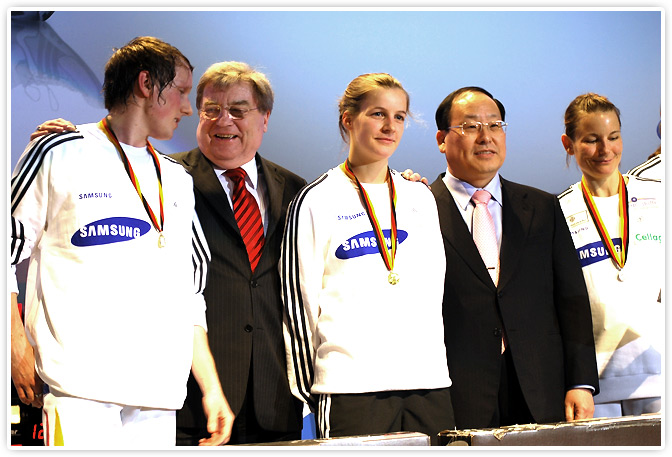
x=365 y=243
x=595 y=252
x=110 y=230
x=95 y=195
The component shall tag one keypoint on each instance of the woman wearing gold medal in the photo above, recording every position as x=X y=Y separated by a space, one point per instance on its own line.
x=363 y=315
x=617 y=225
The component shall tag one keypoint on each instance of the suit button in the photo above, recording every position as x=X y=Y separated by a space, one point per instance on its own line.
x=254 y=284
x=497 y=332
x=248 y=328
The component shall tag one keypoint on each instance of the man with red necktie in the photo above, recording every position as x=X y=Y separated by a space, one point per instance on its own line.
x=243 y=292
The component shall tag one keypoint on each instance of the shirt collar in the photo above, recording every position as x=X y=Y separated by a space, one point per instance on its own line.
x=462 y=191
x=251 y=170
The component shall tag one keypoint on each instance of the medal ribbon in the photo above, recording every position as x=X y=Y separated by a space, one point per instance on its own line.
x=623 y=215
x=387 y=255
x=105 y=127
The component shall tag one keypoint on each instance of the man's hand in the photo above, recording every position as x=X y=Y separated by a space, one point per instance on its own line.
x=408 y=175
x=220 y=420
x=579 y=404
x=52 y=126
x=28 y=384
x=216 y=407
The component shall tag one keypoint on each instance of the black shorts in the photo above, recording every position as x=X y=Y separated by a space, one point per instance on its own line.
x=427 y=411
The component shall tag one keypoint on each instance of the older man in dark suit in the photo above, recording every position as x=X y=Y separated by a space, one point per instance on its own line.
x=244 y=308
x=518 y=328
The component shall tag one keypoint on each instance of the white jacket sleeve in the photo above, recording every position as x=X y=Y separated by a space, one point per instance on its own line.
x=201 y=260
x=301 y=270
x=29 y=198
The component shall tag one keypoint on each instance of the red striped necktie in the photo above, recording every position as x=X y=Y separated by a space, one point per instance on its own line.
x=247 y=215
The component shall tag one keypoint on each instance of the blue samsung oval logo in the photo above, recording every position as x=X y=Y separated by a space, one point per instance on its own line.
x=365 y=243
x=110 y=230
x=596 y=252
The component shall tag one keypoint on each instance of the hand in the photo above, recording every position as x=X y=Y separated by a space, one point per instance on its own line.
x=52 y=126
x=28 y=384
x=579 y=404
x=220 y=419
x=415 y=177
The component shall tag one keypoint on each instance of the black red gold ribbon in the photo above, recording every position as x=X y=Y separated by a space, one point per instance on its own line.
x=158 y=225
x=387 y=255
x=623 y=215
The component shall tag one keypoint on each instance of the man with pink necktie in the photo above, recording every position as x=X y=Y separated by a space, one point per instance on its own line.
x=518 y=329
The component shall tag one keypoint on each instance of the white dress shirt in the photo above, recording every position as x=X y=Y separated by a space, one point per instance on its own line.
x=462 y=193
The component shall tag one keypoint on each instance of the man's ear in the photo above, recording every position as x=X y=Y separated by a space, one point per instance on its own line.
x=441 y=140
x=267 y=115
x=145 y=84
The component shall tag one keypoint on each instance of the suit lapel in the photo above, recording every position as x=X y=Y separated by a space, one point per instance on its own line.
x=275 y=185
x=208 y=184
x=517 y=217
x=456 y=233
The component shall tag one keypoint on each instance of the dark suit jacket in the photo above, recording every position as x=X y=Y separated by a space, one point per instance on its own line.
x=244 y=310
x=541 y=302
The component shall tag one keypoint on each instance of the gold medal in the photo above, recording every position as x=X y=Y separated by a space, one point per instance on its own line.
x=622 y=275
x=162 y=240
x=393 y=278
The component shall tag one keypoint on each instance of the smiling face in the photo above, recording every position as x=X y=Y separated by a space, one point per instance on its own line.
x=166 y=109
x=473 y=158
x=226 y=142
x=597 y=145
x=376 y=130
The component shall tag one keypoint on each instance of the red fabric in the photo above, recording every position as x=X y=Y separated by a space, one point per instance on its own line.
x=248 y=216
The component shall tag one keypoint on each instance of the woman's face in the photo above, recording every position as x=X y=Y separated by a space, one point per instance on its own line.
x=597 y=145
x=375 y=132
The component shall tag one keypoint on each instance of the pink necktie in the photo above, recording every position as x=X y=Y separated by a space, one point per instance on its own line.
x=485 y=237
x=484 y=234
x=248 y=216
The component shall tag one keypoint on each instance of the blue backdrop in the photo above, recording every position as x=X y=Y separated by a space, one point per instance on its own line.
x=535 y=62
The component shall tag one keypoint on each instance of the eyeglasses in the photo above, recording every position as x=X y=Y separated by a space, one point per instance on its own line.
x=471 y=128
x=213 y=112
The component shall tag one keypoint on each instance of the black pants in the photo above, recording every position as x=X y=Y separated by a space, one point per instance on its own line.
x=428 y=411
x=511 y=406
